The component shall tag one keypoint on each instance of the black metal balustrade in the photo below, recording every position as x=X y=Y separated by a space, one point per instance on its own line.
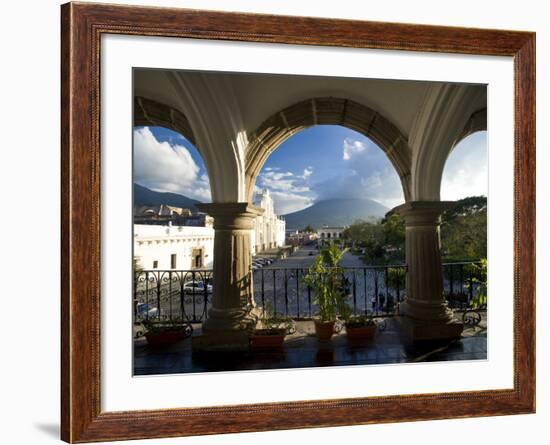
x=172 y=295
x=375 y=290
x=461 y=281
x=284 y=292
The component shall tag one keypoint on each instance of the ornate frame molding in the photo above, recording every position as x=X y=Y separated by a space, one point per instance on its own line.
x=82 y=26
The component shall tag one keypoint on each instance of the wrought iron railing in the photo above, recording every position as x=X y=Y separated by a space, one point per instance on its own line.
x=284 y=292
x=461 y=281
x=376 y=290
x=172 y=295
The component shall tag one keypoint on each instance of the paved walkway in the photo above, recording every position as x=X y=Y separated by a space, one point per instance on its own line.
x=305 y=255
x=302 y=350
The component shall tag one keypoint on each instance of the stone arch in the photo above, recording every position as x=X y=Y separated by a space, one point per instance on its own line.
x=327 y=111
x=476 y=122
x=451 y=112
x=149 y=112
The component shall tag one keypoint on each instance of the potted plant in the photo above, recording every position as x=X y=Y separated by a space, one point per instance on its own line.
x=271 y=331
x=360 y=327
x=325 y=278
x=162 y=333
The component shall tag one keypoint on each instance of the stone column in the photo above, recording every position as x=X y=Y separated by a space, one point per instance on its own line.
x=231 y=314
x=425 y=311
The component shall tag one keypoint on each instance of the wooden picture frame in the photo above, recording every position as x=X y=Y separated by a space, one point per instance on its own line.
x=82 y=26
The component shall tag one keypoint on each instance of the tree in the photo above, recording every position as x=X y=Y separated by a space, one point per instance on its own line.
x=464 y=230
x=309 y=229
x=463 y=234
x=394 y=230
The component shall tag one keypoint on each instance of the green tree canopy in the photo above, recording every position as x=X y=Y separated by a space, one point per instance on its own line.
x=463 y=234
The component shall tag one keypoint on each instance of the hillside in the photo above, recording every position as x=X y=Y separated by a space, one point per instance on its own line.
x=146 y=197
x=335 y=212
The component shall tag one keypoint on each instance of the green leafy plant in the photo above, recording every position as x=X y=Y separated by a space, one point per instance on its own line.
x=396 y=277
x=326 y=279
x=360 y=321
x=272 y=323
x=156 y=326
x=480 y=281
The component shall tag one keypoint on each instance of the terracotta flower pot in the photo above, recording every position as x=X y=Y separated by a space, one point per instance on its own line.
x=267 y=339
x=360 y=333
x=164 y=338
x=324 y=329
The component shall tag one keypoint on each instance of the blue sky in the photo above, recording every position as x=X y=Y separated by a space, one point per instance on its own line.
x=320 y=162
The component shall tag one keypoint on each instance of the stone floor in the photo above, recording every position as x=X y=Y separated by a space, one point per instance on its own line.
x=302 y=350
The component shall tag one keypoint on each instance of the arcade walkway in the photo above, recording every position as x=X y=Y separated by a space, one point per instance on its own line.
x=302 y=350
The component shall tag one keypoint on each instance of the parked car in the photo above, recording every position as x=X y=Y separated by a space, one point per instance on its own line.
x=145 y=310
x=196 y=287
x=258 y=262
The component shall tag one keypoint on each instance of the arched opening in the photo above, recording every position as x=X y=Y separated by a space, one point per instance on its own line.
x=323 y=180
x=465 y=180
x=170 y=180
x=465 y=170
x=328 y=111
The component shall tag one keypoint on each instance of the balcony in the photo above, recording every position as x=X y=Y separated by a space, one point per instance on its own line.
x=184 y=296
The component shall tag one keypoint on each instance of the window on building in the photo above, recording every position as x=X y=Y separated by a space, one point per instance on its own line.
x=155 y=264
x=173 y=261
x=197 y=258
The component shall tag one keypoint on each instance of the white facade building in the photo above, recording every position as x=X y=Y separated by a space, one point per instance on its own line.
x=269 y=229
x=327 y=233
x=173 y=247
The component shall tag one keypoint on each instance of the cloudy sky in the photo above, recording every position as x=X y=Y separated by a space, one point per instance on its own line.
x=321 y=162
x=164 y=161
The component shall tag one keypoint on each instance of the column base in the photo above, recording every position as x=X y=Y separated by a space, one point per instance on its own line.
x=422 y=330
x=426 y=310
x=226 y=331
x=221 y=341
x=231 y=319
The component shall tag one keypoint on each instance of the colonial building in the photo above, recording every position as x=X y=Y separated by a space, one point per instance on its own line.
x=298 y=237
x=328 y=233
x=269 y=229
x=173 y=247
x=160 y=214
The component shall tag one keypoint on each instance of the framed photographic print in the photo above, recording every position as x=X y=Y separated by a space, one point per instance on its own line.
x=277 y=222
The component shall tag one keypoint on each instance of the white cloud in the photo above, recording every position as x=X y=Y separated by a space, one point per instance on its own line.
x=282 y=181
x=287 y=202
x=465 y=172
x=377 y=182
x=166 y=167
x=290 y=192
x=369 y=175
x=352 y=147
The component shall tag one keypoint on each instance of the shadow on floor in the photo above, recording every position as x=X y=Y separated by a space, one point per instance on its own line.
x=302 y=350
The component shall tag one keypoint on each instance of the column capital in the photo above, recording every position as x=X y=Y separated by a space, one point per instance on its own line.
x=231 y=215
x=423 y=212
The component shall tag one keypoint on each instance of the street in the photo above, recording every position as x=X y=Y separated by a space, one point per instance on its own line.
x=302 y=259
x=280 y=286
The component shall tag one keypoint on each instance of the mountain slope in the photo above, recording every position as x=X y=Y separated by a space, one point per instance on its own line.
x=146 y=197
x=335 y=212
